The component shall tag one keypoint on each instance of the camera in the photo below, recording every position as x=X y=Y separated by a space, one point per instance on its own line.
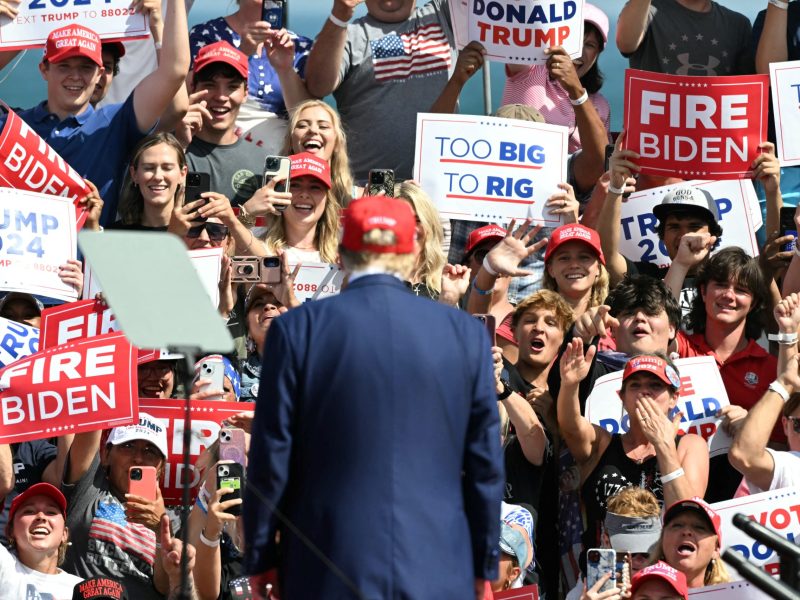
x=256 y=269
x=193 y=179
x=224 y=436
x=272 y=163
x=593 y=556
x=136 y=474
x=223 y=471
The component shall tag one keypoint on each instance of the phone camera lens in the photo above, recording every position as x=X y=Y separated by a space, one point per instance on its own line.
x=378 y=178
x=136 y=475
x=272 y=163
x=594 y=556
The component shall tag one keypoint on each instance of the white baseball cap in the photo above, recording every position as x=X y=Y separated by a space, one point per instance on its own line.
x=148 y=428
x=686 y=197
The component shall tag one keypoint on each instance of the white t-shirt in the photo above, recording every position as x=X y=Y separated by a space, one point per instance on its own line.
x=786 y=473
x=18 y=581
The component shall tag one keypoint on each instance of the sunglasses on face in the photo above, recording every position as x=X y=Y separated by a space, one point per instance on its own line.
x=795 y=421
x=216 y=231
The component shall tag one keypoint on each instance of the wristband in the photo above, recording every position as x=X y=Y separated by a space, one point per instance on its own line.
x=479 y=291
x=208 y=542
x=785 y=339
x=679 y=472
x=337 y=21
x=157 y=45
x=777 y=387
x=201 y=504
x=487 y=268
x=779 y=4
x=581 y=99
x=617 y=191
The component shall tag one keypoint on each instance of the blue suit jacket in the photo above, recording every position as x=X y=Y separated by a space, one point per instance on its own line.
x=377 y=437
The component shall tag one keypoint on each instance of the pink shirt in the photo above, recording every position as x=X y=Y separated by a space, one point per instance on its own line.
x=535 y=88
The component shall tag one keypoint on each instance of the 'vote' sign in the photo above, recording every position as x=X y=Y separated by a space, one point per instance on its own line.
x=695 y=127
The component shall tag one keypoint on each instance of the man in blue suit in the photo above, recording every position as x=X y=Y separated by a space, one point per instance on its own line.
x=376 y=442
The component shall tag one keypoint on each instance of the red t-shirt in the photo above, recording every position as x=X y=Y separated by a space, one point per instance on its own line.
x=746 y=374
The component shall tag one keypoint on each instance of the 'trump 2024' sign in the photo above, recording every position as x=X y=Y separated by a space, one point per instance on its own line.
x=695 y=127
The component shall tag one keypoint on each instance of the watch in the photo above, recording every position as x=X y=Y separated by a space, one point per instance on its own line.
x=506 y=390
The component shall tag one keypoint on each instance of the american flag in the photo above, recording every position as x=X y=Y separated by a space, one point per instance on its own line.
x=424 y=50
x=110 y=525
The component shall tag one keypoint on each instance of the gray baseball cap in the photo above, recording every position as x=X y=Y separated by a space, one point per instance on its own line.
x=632 y=534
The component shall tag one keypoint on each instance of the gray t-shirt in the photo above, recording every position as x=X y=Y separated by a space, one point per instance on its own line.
x=104 y=544
x=390 y=72
x=235 y=169
x=686 y=42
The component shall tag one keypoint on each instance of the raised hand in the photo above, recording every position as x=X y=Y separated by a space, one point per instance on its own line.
x=574 y=365
x=505 y=257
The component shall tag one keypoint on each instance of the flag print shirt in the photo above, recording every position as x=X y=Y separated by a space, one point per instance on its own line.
x=104 y=544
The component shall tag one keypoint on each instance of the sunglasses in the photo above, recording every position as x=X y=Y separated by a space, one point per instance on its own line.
x=216 y=231
x=795 y=421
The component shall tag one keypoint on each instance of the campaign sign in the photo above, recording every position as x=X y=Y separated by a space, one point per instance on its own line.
x=82 y=386
x=778 y=510
x=316 y=280
x=37 y=235
x=110 y=19
x=695 y=127
x=206 y=418
x=785 y=81
x=737 y=203
x=518 y=31
x=735 y=590
x=490 y=169
x=459 y=11
x=702 y=394
x=75 y=321
x=17 y=340
x=528 y=592
x=29 y=163
x=208 y=264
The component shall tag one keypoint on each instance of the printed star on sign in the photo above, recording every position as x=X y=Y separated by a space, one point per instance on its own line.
x=673 y=46
x=699 y=36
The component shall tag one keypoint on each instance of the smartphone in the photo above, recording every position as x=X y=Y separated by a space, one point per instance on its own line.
x=196 y=184
x=788 y=227
x=490 y=323
x=231 y=476
x=213 y=369
x=231 y=445
x=380 y=180
x=278 y=167
x=600 y=561
x=609 y=152
x=256 y=269
x=274 y=13
x=142 y=481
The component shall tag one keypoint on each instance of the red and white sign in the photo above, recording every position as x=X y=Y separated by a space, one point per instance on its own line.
x=85 y=386
x=37 y=235
x=702 y=394
x=75 y=321
x=110 y=19
x=528 y=592
x=29 y=163
x=695 y=127
x=206 y=418
x=736 y=590
x=317 y=280
x=785 y=79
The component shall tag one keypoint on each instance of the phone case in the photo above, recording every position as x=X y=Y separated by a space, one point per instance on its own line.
x=196 y=184
x=144 y=484
x=281 y=171
x=231 y=475
x=272 y=11
x=381 y=180
x=232 y=445
x=490 y=323
x=271 y=270
x=600 y=561
x=212 y=368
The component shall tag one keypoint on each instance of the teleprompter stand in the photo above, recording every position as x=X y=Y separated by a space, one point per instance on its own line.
x=159 y=302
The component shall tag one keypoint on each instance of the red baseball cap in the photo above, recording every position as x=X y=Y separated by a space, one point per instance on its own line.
x=574 y=232
x=73 y=40
x=37 y=489
x=306 y=163
x=655 y=365
x=661 y=571
x=221 y=52
x=699 y=505
x=379 y=224
x=482 y=234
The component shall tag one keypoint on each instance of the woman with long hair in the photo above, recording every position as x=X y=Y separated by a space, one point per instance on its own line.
x=154 y=181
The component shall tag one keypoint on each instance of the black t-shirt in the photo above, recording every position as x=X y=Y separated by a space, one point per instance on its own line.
x=29 y=460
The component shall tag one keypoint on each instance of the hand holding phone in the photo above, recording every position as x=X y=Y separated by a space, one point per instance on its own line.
x=230 y=475
x=212 y=369
x=232 y=445
x=278 y=168
x=599 y=562
x=380 y=180
x=142 y=481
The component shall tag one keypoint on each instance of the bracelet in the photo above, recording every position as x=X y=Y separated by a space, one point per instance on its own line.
x=617 y=191
x=337 y=21
x=580 y=100
x=200 y=503
x=779 y=4
x=785 y=339
x=208 y=542
x=777 y=387
x=157 y=45
x=679 y=472
x=489 y=269
x=479 y=291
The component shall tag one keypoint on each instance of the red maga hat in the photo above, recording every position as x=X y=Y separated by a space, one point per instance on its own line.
x=309 y=164
x=379 y=224
x=221 y=52
x=655 y=365
x=73 y=40
x=574 y=232
x=661 y=571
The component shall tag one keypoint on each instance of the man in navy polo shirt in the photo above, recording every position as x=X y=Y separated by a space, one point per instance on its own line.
x=96 y=143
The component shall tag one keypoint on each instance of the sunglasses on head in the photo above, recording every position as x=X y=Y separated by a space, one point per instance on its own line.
x=216 y=231
x=795 y=421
